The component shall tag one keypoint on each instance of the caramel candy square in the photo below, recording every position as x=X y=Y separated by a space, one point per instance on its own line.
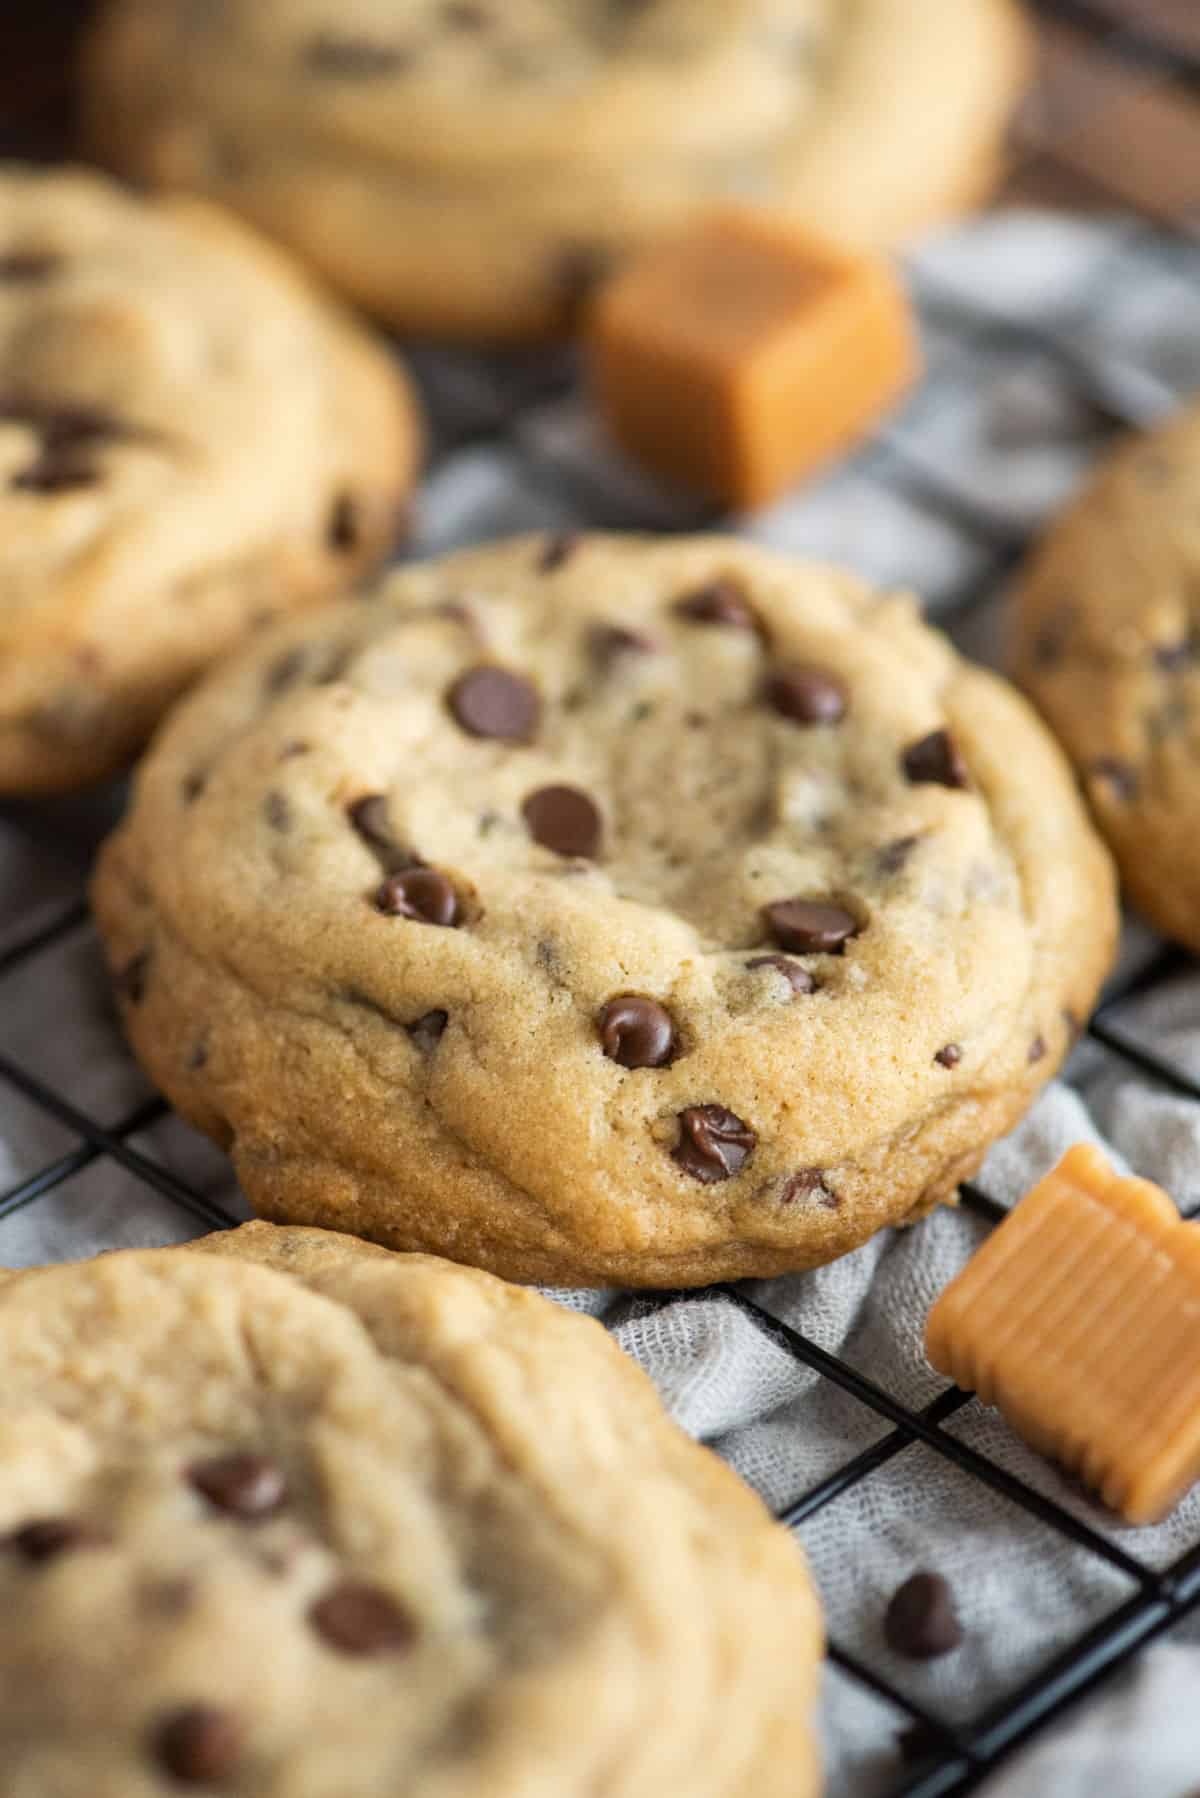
x=745 y=353
x=1079 y=1318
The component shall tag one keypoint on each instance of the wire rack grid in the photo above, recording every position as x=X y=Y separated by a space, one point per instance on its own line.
x=485 y=406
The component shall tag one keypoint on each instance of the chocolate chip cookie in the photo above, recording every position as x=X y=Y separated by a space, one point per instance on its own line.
x=606 y=909
x=473 y=168
x=300 y=1516
x=1108 y=644
x=192 y=443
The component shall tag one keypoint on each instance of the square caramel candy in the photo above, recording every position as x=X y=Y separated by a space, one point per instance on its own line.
x=747 y=352
x=1079 y=1318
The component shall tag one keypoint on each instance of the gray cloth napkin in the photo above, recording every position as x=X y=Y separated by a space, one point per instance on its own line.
x=1041 y=334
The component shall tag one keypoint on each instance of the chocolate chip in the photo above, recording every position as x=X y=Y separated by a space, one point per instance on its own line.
x=806 y=1182
x=637 y=1032
x=806 y=695
x=43 y=1539
x=198 y=1744
x=369 y=816
x=344 y=529
x=1052 y=638
x=419 y=893
x=1120 y=776
x=277 y=811
x=361 y=1619
x=197 y=1058
x=463 y=15
x=1172 y=657
x=490 y=702
x=558 y=550
x=713 y=1143
x=935 y=760
x=427 y=1030
x=893 y=856
x=607 y=643
x=285 y=671
x=949 y=1056
x=921 y=1622
x=192 y=786
x=563 y=819
x=55 y=472
x=722 y=602
x=28 y=265
x=352 y=58
x=1037 y=1049
x=810 y=927
x=247 y=1486
x=130 y=981
x=800 y=978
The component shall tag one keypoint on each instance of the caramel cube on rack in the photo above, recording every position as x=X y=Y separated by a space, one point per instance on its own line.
x=742 y=355
x=1079 y=1318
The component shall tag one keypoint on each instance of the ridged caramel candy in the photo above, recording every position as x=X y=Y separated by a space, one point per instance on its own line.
x=1079 y=1319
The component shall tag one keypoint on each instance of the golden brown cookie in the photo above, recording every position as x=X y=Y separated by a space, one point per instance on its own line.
x=606 y=909
x=297 y=1516
x=1107 y=641
x=192 y=442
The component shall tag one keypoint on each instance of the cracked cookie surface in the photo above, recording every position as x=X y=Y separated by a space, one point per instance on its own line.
x=473 y=167
x=606 y=909
x=1108 y=644
x=281 y=1512
x=192 y=442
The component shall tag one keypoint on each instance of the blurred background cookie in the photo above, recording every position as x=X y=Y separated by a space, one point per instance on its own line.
x=192 y=442
x=473 y=168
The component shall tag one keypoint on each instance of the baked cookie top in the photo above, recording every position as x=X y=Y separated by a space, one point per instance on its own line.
x=604 y=908
x=469 y=167
x=296 y=1515
x=191 y=441
x=1108 y=643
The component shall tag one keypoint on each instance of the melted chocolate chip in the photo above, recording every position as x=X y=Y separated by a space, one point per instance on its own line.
x=558 y=550
x=806 y=695
x=714 y=1144
x=1119 y=776
x=565 y=820
x=361 y=1619
x=55 y=471
x=129 y=982
x=810 y=927
x=722 y=602
x=246 y=1486
x=921 y=1622
x=285 y=671
x=607 y=643
x=198 y=1744
x=344 y=529
x=277 y=811
x=800 y=979
x=67 y=435
x=806 y=1183
x=1173 y=657
x=637 y=1032
x=369 y=816
x=490 y=702
x=345 y=58
x=894 y=855
x=935 y=760
x=43 y=1539
x=427 y=1030
x=948 y=1056
x=421 y=894
x=29 y=265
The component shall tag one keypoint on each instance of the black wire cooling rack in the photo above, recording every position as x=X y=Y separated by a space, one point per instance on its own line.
x=483 y=403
